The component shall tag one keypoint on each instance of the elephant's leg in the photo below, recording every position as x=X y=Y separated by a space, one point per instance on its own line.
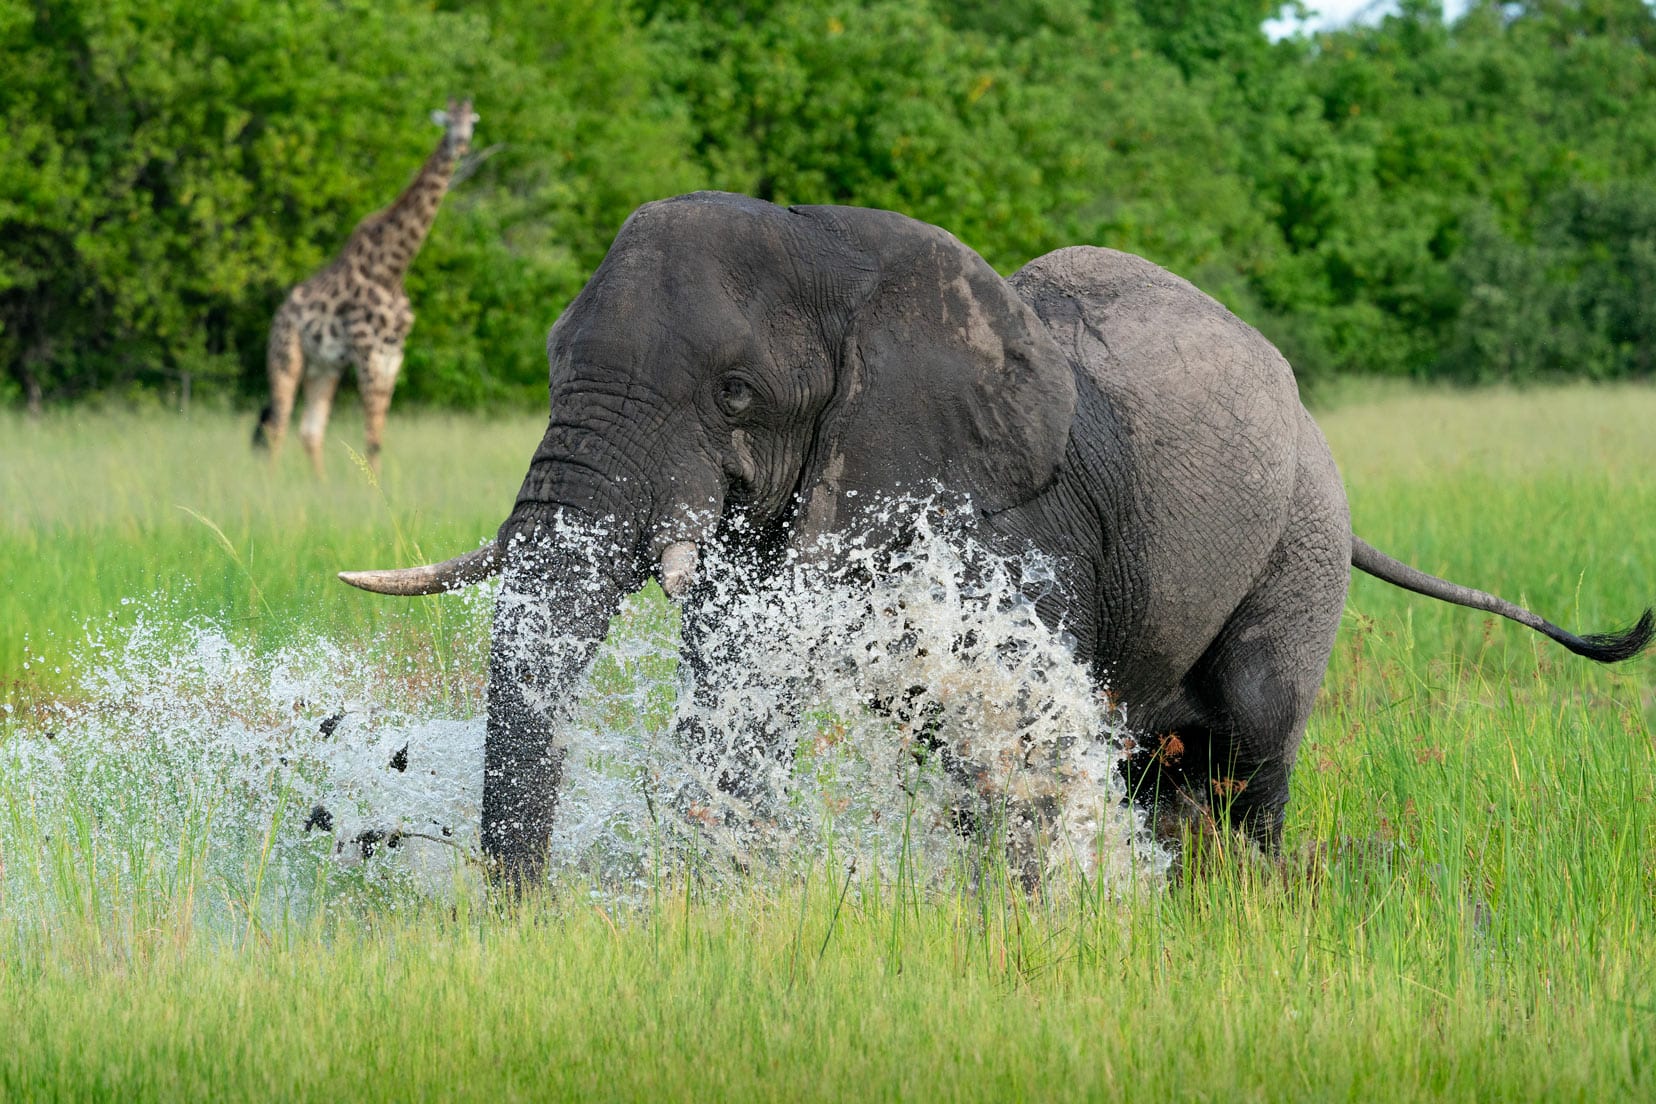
x=1259 y=679
x=1258 y=695
x=734 y=743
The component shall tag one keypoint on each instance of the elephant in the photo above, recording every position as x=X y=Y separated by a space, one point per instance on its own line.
x=786 y=365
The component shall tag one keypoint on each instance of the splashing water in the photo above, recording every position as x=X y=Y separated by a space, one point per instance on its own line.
x=906 y=706
x=187 y=761
x=907 y=711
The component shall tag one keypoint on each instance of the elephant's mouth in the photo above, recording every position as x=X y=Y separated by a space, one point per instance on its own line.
x=763 y=508
x=740 y=494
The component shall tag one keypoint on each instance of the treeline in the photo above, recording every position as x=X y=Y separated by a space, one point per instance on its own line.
x=1474 y=201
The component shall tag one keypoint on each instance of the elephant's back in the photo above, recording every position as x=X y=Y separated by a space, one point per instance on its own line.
x=1156 y=324
x=1176 y=363
x=1203 y=420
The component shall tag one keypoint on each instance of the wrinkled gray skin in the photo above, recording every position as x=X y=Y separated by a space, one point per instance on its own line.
x=729 y=354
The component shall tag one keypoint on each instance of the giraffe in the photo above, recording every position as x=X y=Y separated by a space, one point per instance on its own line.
x=355 y=310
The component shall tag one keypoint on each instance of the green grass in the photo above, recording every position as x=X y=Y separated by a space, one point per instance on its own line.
x=1228 y=991
x=103 y=512
x=1468 y=910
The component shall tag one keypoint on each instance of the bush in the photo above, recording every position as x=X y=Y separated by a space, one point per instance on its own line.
x=1575 y=302
x=172 y=169
x=1409 y=198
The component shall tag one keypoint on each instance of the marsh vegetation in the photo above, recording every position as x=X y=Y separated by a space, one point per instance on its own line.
x=1465 y=906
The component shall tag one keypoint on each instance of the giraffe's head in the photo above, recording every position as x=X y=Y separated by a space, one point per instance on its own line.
x=457 y=122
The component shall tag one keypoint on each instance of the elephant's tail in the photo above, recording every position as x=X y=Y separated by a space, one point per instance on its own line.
x=1604 y=647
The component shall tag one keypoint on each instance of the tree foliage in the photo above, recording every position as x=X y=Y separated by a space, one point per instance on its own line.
x=1474 y=200
x=170 y=169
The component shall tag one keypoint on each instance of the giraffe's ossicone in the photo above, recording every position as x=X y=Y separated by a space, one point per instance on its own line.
x=355 y=311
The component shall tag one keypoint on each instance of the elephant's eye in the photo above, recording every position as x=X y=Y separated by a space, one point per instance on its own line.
x=735 y=395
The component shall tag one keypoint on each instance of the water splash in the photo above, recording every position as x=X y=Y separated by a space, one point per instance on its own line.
x=186 y=760
x=906 y=709
x=909 y=707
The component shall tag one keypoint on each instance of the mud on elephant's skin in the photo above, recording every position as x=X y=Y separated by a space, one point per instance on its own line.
x=732 y=356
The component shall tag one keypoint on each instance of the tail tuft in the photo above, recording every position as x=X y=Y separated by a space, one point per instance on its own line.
x=260 y=440
x=1616 y=646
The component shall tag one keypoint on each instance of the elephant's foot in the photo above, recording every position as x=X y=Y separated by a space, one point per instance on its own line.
x=1201 y=841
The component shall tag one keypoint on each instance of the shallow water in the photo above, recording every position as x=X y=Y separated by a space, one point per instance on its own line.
x=903 y=712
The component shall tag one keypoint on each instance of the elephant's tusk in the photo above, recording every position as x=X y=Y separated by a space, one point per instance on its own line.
x=678 y=568
x=453 y=574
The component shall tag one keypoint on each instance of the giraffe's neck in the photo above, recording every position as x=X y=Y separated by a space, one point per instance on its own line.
x=396 y=233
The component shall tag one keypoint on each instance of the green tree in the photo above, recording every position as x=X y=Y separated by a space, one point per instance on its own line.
x=1575 y=301
x=1401 y=198
x=171 y=169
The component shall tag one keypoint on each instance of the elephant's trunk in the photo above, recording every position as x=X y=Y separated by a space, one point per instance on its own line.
x=553 y=610
x=579 y=539
x=572 y=549
x=577 y=544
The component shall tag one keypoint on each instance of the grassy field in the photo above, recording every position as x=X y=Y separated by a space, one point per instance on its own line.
x=1467 y=909
x=101 y=512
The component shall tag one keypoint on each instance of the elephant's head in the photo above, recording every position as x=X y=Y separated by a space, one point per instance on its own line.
x=731 y=356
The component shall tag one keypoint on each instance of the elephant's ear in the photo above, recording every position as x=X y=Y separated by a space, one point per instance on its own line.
x=945 y=375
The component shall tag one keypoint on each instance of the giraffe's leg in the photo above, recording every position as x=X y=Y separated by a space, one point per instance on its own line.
x=320 y=386
x=285 y=362
x=376 y=378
